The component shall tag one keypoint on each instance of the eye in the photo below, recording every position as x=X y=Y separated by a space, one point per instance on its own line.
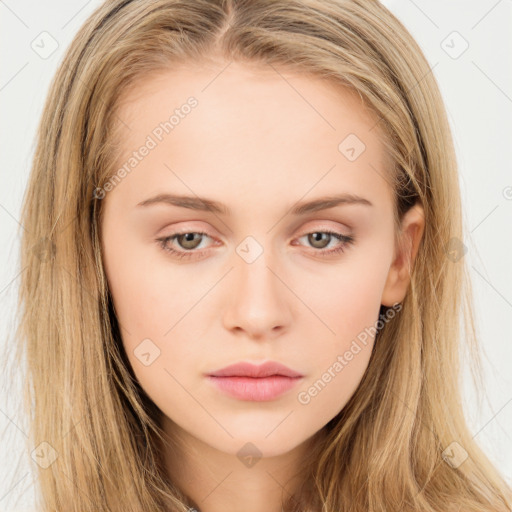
x=321 y=239
x=190 y=241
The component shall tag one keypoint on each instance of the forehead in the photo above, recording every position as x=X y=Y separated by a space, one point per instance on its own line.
x=251 y=126
x=239 y=91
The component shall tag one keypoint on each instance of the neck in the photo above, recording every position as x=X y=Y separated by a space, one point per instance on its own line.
x=217 y=481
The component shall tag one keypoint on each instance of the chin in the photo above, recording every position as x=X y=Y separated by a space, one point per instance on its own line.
x=254 y=442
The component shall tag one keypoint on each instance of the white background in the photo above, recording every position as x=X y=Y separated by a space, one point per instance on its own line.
x=477 y=88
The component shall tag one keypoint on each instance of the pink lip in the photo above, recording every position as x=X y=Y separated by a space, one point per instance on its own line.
x=246 y=381
x=244 y=369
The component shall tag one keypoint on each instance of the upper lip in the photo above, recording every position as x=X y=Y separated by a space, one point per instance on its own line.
x=244 y=369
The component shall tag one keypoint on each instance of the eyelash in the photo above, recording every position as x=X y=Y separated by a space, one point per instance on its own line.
x=346 y=240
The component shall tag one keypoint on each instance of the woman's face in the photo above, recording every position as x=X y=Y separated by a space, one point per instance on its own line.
x=247 y=154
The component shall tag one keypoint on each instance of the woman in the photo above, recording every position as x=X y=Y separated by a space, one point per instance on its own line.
x=252 y=274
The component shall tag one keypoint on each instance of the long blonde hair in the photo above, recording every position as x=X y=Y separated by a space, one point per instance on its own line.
x=393 y=445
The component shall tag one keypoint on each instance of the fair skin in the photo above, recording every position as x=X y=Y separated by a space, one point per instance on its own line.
x=258 y=142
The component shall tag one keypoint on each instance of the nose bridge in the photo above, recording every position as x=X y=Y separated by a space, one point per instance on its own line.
x=253 y=268
x=258 y=302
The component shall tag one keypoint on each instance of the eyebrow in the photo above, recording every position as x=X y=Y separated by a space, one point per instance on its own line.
x=209 y=205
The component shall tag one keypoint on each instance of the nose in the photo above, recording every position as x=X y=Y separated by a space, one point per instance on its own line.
x=259 y=300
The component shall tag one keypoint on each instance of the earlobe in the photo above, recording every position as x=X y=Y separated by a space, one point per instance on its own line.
x=399 y=276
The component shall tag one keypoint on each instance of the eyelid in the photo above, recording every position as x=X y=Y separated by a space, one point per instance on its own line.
x=315 y=226
x=320 y=225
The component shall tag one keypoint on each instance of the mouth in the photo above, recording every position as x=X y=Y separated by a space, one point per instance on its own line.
x=257 y=389
x=246 y=381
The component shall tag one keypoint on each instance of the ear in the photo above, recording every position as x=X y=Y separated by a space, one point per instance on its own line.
x=399 y=276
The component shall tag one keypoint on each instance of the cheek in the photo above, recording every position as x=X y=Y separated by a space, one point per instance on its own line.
x=155 y=306
x=149 y=295
x=339 y=361
x=348 y=300
x=349 y=303
x=158 y=307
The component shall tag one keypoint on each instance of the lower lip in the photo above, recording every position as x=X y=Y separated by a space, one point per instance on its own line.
x=256 y=389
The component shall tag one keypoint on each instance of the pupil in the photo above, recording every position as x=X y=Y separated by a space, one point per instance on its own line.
x=188 y=240
x=317 y=237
